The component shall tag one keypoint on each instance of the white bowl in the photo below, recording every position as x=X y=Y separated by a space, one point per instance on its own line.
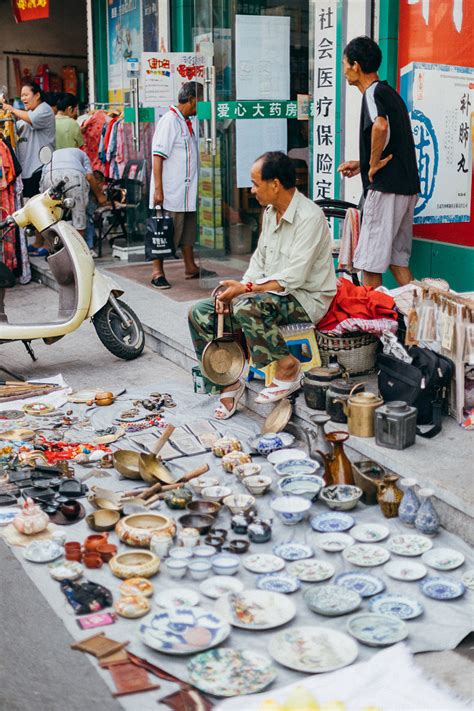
x=175 y=567
x=257 y=485
x=243 y=470
x=199 y=568
x=215 y=493
x=225 y=564
x=180 y=553
x=291 y=509
x=282 y=455
x=239 y=503
x=204 y=551
x=306 y=485
x=295 y=467
x=340 y=497
x=202 y=482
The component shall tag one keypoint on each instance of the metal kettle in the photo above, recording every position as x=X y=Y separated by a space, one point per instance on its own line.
x=359 y=409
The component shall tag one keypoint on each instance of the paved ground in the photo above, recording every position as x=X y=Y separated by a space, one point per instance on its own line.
x=37 y=668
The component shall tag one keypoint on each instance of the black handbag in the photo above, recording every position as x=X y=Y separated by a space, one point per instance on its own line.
x=423 y=383
x=159 y=237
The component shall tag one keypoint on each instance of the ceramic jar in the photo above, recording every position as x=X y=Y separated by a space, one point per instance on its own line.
x=160 y=544
x=410 y=503
x=137 y=529
x=316 y=383
x=188 y=537
x=225 y=445
x=337 y=395
x=233 y=459
x=267 y=443
x=427 y=520
x=31 y=519
x=259 y=531
x=178 y=498
x=240 y=523
x=389 y=496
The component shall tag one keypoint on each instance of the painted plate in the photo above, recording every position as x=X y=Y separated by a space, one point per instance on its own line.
x=441 y=588
x=42 y=551
x=443 y=558
x=366 y=555
x=313 y=649
x=282 y=455
x=231 y=672
x=66 y=570
x=7 y=516
x=407 y=570
x=136 y=586
x=256 y=609
x=363 y=583
x=263 y=563
x=332 y=600
x=311 y=571
x=331 y=521
x=177 y=597
x=377 y=630
x=293 y=551
x=278 y=582
x=370 y=532
x=468 y=579
x=184 y=630
x=401 y=606
x=219 y=585
x=409 y=544
x=334 y=542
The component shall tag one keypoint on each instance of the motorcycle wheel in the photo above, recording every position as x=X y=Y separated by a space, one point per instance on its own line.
x=125 y=343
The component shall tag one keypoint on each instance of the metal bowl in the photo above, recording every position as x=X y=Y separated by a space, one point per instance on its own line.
x=103 y=520
x=200 y=521
x=153 y=470
x=206 y=508
x=126 y=462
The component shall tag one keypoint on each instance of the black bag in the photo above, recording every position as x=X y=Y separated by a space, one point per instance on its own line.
x=159 y=237
x=423 y=384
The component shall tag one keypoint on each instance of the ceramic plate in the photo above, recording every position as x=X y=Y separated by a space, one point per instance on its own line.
x=363 y=583
x=468 y=579
x=263 y=563
x=177 y=597
x=377 y=630
x=293 y=551
x=66 y=570
x=313 y=649
x=407 y=570
x=370 y=532
x=334 y=542
x=409 y=544
x=231 y=672
x=42 y=551
x=443 y=558
x=332 y=600
x=136 y=586
x=440 y=588
x=278 y=582
x=256 y=609
x=184 y=630
x=401 y=606
x=331 y=521
x=7 y=516
x=219 y=585
x=366 y=555
x=282 y=455
x=311 y=571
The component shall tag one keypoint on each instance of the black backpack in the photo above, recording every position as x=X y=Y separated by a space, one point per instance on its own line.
x=423 y=384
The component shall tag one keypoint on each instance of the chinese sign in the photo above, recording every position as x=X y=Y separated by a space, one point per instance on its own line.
x=442 y=136
x=163 y=74
x=250 y=110
x=323 y=108
x=30 y=9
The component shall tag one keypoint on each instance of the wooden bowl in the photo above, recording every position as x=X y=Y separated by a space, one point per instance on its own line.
x=207 y=508
x=130 y=565
x=126 y=462
x=103 y=520
x=199 y=521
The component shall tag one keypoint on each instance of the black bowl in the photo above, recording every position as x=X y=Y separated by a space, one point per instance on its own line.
x=201 y=522
x=206 y=508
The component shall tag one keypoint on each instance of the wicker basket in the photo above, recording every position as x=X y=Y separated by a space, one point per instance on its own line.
x=354 y=351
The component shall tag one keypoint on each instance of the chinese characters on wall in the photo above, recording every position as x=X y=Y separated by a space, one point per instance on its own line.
x=163 y=74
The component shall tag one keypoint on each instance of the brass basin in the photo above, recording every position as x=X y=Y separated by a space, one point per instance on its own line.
x=126 y=462
x=153 y=470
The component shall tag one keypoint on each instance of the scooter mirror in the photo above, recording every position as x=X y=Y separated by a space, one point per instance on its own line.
x=45 y=155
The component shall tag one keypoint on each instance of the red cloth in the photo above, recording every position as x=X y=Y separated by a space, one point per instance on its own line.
x=91 y=133
x=357 y=302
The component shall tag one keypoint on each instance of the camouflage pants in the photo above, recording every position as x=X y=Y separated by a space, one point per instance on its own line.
x=259 y=316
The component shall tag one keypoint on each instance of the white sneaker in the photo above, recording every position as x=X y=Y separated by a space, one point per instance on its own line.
x=93 y=253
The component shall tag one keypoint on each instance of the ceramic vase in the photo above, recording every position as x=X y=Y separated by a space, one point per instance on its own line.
x=389 y=496
x=427 y=520
x=410 y=503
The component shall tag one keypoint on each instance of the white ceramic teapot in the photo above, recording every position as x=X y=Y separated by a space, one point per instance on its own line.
x=31 y=519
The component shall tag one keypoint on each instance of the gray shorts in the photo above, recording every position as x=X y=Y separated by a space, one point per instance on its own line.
x=77 y=187
x=387 y=232
x=185 y=228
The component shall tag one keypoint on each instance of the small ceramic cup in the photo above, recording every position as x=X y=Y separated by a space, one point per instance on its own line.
x=199 y=568
x=175 y=567
x=70 y=509
x=215 y=541
x=221 y=532
x=92 y=560
x=225 y=564
x=72 y=551
x=160 y=544
x=179 y=553
x=107 y=551
x=238 y=545
x=188 y=537
x=59 y=537
x=204 y=552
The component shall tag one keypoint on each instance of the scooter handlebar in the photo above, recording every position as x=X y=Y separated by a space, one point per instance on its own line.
x=8 y=222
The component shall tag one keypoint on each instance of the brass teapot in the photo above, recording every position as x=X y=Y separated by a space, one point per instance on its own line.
x=359 y=409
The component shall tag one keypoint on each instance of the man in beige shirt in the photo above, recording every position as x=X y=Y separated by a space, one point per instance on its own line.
x=290 y=279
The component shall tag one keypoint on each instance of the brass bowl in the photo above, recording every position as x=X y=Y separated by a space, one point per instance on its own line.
x=126 y=462
x=153 y=470
x=20 y=433
x=100 y=502
x=103 y=520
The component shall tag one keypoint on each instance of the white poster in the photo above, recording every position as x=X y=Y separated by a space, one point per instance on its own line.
x=324 y=99
x=164 y=73
x=262 y=60
x=443 y=141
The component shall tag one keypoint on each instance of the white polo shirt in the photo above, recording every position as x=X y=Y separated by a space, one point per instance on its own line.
x=174 y=142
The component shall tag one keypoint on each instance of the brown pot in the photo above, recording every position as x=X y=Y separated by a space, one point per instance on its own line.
x=92 y=542
x=106 y=551
x=389 y=496
x=92 y=560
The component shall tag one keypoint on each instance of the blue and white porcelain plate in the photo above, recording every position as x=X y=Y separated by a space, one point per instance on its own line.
x=278 y=582
x=440 y=588
x=332 y=521
x=377 y=630
x=363 y=583
x=331 y=600
x=184 y=630
x=293 y=551
x=401 y=606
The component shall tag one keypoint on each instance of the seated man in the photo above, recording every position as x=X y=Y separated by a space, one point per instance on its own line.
x=290 y=279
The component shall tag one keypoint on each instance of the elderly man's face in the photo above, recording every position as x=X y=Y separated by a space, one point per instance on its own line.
x=264 y=190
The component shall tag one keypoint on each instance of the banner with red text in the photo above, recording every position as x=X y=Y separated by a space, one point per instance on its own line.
x=25 y=10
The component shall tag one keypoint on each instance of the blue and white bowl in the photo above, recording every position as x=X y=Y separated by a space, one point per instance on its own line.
x=296 y=467
x=225 y=563
x=271 y=441
x=291 y=509
x=341 y=497
x=306 y=485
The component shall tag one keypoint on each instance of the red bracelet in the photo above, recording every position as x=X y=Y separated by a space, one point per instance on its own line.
x=249 y=286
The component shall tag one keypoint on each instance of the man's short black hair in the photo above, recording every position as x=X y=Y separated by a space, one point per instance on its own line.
x=190 y=90
x=67 y=100
x=365 y=52
x=277 y=165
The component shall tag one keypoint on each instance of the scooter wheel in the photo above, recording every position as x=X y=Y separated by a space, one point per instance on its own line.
x=125 y=343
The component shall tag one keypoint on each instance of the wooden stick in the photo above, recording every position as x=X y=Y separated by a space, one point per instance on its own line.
x=166 y=434
x=169 y=487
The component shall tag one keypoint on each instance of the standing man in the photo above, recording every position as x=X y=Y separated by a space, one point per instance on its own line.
x=387 y=166
x=175 y=177
x=68 y=132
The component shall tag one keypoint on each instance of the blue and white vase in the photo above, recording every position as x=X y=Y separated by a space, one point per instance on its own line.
x=427 y=520
x=410 y=503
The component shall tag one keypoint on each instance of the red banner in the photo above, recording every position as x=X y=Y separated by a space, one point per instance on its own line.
x=25 y=10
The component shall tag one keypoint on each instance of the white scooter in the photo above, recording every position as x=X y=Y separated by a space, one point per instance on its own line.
x=83 y=291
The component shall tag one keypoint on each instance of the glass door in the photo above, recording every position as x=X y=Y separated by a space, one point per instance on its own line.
x=259 y=55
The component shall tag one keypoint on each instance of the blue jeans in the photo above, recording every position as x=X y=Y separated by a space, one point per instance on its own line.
x=89 y=236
